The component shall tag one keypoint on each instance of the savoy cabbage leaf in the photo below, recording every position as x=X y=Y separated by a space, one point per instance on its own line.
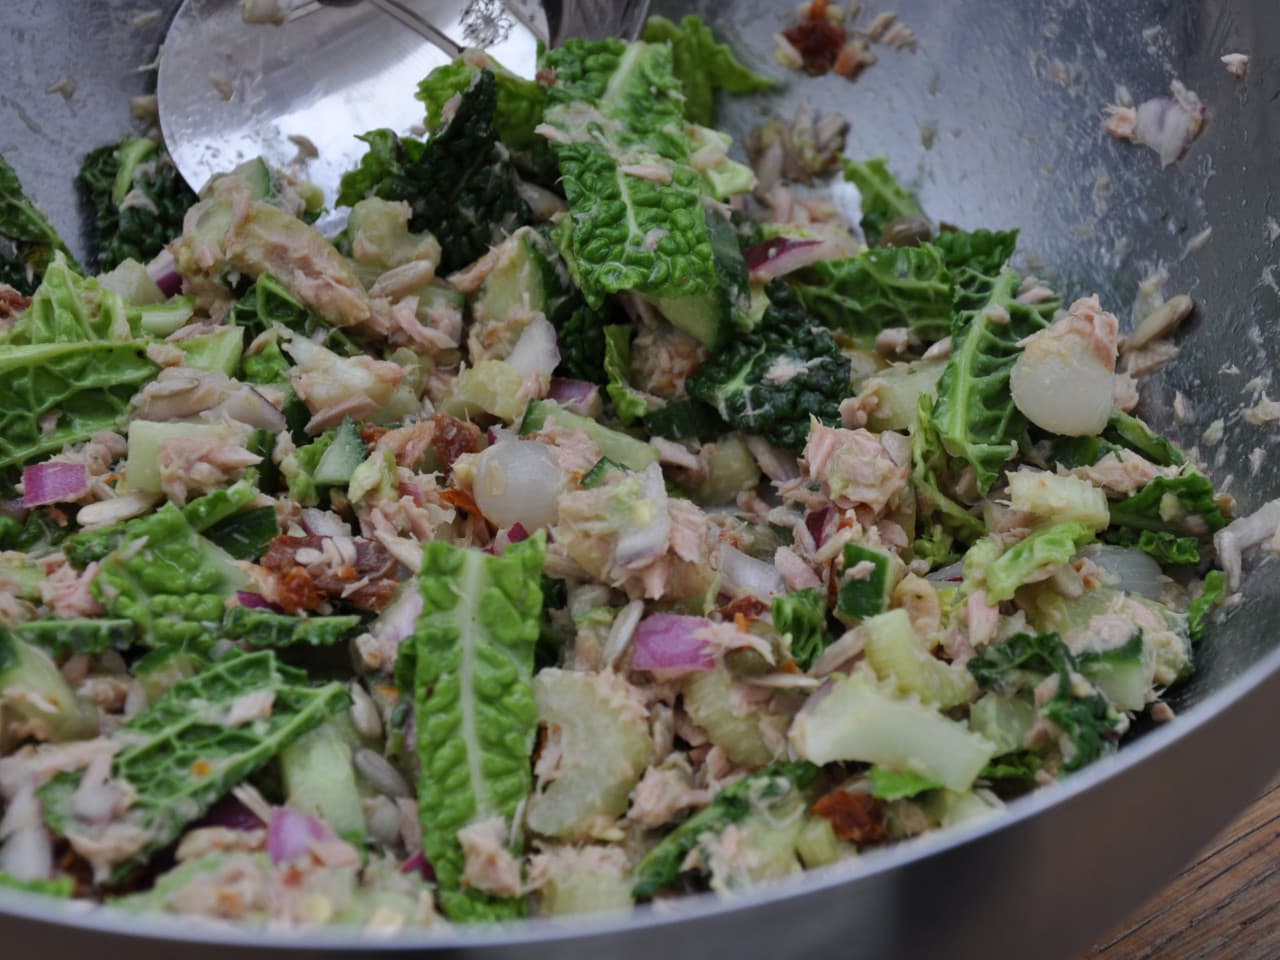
x=180 y=759
x=974 y=414
x=883 y=198
x=469 y=670
x=702 y=65
x=881 y=287
x=636 y=219
x=167 y=579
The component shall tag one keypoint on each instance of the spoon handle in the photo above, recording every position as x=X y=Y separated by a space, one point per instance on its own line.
x=413 y=21
x=393 y=8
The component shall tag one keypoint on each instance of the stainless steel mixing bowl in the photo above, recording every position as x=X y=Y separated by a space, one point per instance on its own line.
x=1013 y=93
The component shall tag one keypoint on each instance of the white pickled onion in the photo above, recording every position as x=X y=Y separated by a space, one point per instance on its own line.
x=324 y=523
x=666 y=643
x=53 y=482
x=648 y=534
x=518 y=482
x=291 y=833
x=536 y=353
x=1132 y=570
x=576 y=396
x=163 y=270
x=1062 y=389
x=741 y=575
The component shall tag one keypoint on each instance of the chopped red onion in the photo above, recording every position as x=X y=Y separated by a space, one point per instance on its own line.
x=13 y=509
x=164 y=271
x=229 y=812
x=324 y=523
x=952 y=573
x=576 y=396
x=419 y=863
x=816 y=523
x=291 y=833
x=783 y=255
x=256 y=601
x=53 y=482
x=665 y=643
x=397 y=620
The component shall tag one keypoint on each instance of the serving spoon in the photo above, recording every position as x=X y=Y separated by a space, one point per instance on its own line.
x=299 y=89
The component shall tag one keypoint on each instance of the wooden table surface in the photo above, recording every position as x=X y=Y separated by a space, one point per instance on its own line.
x=1224 y=906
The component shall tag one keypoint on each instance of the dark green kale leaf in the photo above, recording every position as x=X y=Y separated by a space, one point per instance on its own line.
x=771 y=380
x=1089 y=724
x=801 y=616
x=731 y=805
x=27 y=240
x=459 y=184
x=138 y=199
x=580 y=337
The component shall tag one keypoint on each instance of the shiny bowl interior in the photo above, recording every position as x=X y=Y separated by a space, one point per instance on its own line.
x=1010 y=95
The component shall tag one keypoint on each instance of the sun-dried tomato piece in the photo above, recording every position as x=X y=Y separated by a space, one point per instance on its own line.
x=453 y=438
x=819 y=42
x=855 y=817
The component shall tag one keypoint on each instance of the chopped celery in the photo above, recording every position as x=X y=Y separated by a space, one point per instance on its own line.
x=320 y=778
x=494 y=387
x=1058 y=499
x=897 y=655
x=709 y=700
x=898 y=390
x=817 y=844
x=35 y=697
x=605 y=747
x=1123 y=673
x=730 y=469
x=857 y=719
x=617 y=446
x=1004 y=720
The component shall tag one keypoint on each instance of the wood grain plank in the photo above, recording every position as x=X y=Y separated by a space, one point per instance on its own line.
x=1223 y=906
